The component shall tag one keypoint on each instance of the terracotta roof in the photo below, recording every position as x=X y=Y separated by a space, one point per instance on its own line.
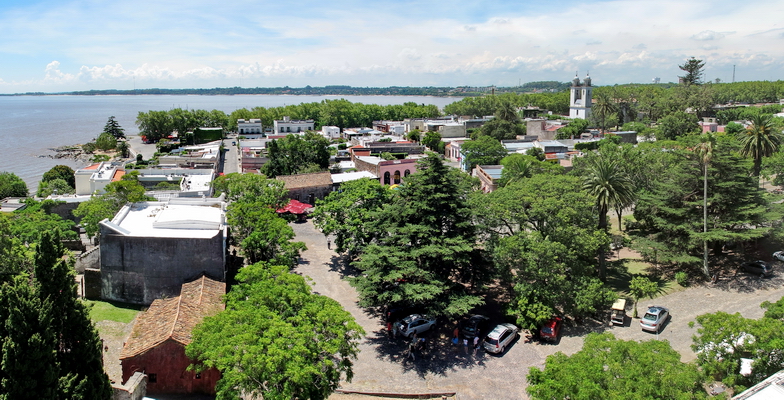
x=118 y=175
x=94 y=166
x=314 y=179
x=175 y=318
x=295 y=207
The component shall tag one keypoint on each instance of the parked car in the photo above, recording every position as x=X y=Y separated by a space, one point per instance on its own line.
x=500 y=337
x=414 y=323
x=474 y=326
x=654 y=319
x=551 y=329
x=758 y=267
x=779 y=255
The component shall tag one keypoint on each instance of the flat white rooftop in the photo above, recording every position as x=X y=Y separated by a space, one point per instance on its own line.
x=169 y=219
x=352 y=176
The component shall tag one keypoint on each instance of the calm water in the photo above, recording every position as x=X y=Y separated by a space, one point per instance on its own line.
x=30 y=125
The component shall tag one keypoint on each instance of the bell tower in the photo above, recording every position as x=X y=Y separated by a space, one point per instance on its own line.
x=580 y=98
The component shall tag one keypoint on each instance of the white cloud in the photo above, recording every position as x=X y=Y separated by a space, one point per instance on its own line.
x=708 y=35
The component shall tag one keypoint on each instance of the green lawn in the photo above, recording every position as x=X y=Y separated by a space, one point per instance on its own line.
x=112 y=311
x=620 y=273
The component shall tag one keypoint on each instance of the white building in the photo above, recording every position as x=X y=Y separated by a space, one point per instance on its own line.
x=94 y=178
x=580 y=98
x=287 y=125
x=330 y=132
x=250 y=126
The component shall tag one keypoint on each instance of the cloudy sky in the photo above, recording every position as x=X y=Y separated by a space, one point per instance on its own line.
x=67 y=45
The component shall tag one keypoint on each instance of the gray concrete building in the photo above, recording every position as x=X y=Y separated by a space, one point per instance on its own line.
x=148 y=250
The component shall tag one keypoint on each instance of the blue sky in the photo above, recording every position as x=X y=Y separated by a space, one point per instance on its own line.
x=67 y=45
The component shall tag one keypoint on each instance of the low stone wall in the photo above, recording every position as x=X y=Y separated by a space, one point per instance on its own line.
x=90 y=259
x=134 y=389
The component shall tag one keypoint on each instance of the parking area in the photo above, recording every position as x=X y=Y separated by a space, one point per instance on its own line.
x=382 y=365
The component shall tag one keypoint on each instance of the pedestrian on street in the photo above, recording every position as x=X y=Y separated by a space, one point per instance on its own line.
x=476 y=342
x=329 y=245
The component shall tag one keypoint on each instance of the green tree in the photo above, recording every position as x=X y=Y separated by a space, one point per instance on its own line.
x=57 y=186
x=28 y=223
x=676 y=124
x=350 y=214
x=610 y=368
x=113 y=128
x=154 y=125
x=63 y=172
x=641 y=287
x=12 y=185
x=427 y=255
x=105 y=142
x=276 y=339
x=605 y=180
x=603 y=111
x=123 y=149
x=483 y=151
x=722 y=339
x=100 y=207
x=432 y=141
x=705 y=153
x=262 y=234
x=694 y=70
x=573 y=130
x=760 y=140
x=14 y=255
x=500 y=129
x=414 y=135
x=289 y=156
x=543 y=241
x=252 y=188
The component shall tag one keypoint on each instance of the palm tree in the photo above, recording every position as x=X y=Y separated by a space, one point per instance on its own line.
x=602 y=109
x=606 y=182
x=705 y=153
x=759 y=140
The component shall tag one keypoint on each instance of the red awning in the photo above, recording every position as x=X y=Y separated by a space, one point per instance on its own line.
x=295 y=207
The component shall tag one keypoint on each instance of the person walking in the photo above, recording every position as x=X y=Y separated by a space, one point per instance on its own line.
x=329 y=245
x=476 y=342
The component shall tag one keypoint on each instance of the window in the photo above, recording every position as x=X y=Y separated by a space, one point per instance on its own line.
x=407 y=173
x=386 y=178
x=281 y=129
x=397 y=177
x=152 y=378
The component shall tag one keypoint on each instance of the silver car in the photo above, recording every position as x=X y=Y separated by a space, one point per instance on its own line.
x=500 y=337
x=779 y=255
x=654 y=319
x=414 y=323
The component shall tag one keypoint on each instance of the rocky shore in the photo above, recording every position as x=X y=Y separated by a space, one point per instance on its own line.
x=72 y=152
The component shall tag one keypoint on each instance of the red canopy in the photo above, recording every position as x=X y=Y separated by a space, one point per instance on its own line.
x=295 y=207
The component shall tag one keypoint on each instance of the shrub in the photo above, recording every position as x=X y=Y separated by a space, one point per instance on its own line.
x=682 y=278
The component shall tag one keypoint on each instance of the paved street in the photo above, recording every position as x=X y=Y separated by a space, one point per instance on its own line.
x=476 y=375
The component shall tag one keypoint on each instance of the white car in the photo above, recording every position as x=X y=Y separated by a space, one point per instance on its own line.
x=500 y=337
x=654 y=319
x=414 y=323
x=779 y=255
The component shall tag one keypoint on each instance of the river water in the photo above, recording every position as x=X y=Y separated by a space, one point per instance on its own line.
x=30 y=125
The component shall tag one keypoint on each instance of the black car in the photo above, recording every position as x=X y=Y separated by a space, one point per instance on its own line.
x=758 y=267
x=474 y=326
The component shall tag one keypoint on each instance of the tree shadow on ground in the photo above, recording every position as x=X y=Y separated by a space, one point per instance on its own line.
x=341 y=263
x=437 y=356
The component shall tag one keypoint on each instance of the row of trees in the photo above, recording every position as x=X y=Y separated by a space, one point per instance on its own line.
x=156 y=125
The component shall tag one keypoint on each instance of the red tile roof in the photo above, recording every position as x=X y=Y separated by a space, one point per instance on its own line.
x=295 y=207
x=174 y=318
x=118 y=174
x=94 y=166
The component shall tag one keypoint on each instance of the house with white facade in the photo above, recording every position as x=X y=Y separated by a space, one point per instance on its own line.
x=288 y=125
x=330 y=132
x=249 y=126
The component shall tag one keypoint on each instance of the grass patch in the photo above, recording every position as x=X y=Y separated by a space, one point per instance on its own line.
x=620 y=273
x=112 y=311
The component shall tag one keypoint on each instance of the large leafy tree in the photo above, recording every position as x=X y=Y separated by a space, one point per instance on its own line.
x=99 y=207
x=276 y=339
x=432 y=140
x=543 y=239
x=427 y=256
x=351 y=214
x=610 y=368
x=291 y=154
x=63 y=172
x=483 y=151
x=12 y=185
x=722 y=339
x=262 y=234
x=113 y=128
x=251 y=188
x=759 y=140
x=676 y=124
x=603 y=111
x=154 y=125
x=518 y=167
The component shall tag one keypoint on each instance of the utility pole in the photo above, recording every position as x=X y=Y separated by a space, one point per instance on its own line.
x=733 y=73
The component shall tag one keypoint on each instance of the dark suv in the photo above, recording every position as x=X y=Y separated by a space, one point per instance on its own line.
x=758 y=267
x=474 y=326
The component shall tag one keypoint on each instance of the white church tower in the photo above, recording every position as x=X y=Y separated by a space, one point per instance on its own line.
x=580 y=98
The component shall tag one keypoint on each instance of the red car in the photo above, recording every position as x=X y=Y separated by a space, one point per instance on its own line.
x=551 y=329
